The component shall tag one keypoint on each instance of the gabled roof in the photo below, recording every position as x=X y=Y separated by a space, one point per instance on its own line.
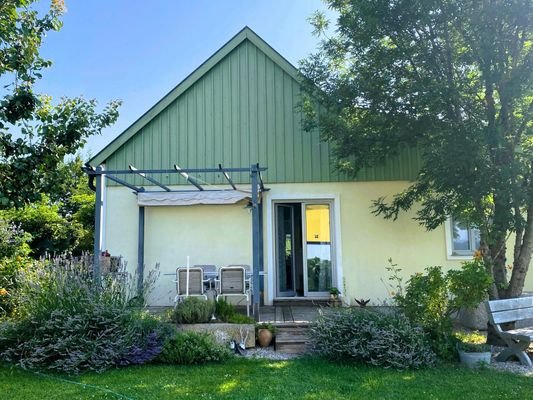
x=245 y=34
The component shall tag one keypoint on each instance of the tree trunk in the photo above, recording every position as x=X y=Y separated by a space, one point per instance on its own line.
x=487 y=259
x=498 y=250
x=521 y=263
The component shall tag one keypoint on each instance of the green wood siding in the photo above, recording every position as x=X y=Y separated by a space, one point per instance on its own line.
x=243 y=110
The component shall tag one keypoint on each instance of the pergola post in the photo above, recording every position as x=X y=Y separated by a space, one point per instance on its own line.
x=256 y=239
x=97 y=228
x=140 y=253
x=261 y=249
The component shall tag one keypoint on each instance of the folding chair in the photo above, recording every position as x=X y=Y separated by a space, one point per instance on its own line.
x=196 y=283
x=232 y=282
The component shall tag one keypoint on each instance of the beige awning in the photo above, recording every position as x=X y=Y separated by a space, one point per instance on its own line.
x=191 y=198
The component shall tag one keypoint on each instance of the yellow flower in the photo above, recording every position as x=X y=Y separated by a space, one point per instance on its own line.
x=478 y=255
x=3 y=292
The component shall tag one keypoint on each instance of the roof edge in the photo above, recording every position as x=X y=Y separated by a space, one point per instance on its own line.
x=244 y=34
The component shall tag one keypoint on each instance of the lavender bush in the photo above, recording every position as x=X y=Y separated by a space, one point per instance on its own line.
x=193 y=348
x=66 y=323
x=387 y=340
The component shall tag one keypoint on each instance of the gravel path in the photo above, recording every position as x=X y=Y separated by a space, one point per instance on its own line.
x=269 y=353
x=510 y=366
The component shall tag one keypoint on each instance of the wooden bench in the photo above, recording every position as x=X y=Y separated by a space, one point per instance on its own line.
x=517 y=340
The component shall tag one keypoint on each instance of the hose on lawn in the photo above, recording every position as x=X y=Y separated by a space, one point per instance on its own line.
x=82 y=384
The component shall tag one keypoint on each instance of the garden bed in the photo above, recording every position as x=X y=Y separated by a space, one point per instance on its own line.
x=225 y=332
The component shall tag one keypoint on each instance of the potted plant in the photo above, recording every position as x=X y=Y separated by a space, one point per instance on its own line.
x=474 y=354
x=334 y=293
x=264 y=333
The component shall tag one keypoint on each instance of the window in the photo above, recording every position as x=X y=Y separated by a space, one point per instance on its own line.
x=464 y=240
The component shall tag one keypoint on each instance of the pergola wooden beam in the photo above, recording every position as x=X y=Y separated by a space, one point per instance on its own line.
x=149 y=178
x=226 y=175
x=189 y=178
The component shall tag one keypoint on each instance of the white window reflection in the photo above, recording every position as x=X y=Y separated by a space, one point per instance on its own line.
x=465 y=239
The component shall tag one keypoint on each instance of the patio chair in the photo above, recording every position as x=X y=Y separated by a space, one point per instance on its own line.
x=196 y=283
x=232 y=282
x=248 y=271
x=209 y=275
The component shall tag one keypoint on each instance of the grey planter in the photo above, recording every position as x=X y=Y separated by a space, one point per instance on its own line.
x=475 y=360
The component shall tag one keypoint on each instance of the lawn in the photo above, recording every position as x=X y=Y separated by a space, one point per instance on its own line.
x=262 y=379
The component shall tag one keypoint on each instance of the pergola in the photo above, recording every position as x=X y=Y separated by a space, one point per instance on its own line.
x=257 y=187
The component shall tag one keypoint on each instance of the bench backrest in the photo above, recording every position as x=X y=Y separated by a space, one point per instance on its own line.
x=510 y=310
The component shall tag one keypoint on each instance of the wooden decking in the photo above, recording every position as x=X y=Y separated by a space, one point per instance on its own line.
x=287 y=314
x=292 y=322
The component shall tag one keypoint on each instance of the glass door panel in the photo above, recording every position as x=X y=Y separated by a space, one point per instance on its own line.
x=318 y=247
x=285 y=250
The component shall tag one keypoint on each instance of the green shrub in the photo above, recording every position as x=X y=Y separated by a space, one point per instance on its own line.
x=225 y=312
x=65 y=323
x=474 y=347
x=14 y=252
x=430 y=299
x=240 y=319
x=9 y=268
x=426 y=302
x=50 y=231
x=388 y=340
x=192 y=348
x=193 y=310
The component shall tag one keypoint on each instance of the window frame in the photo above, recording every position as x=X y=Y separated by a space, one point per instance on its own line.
x=453 y=254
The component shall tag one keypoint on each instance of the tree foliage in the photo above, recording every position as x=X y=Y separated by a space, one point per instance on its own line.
x=453 y=78
x=35 y=133
x=62 y=221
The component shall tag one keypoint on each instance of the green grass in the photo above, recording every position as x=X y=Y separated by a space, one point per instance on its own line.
x=262 y=379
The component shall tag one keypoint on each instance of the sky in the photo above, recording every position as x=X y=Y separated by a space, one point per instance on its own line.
x=137 y=51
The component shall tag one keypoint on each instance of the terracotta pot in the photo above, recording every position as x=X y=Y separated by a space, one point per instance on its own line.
x=264 y=337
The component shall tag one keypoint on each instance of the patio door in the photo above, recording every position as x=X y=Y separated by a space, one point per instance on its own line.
x=317 y=249
x=286 y=254
x=304 y=262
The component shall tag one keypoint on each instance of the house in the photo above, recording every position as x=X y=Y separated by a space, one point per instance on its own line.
x=304 y=227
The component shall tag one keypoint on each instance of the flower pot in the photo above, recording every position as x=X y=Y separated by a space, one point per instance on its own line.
x=474 y=360
x=264 y=337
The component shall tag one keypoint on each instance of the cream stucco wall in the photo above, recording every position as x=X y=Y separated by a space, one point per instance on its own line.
x=221 y=235
x=218 y=235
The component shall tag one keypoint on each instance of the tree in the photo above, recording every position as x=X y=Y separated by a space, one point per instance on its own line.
x=35 y=134
x=453 y=78
x=61 y=221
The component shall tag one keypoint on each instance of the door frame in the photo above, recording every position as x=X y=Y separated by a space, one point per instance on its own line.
x=270 y=198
